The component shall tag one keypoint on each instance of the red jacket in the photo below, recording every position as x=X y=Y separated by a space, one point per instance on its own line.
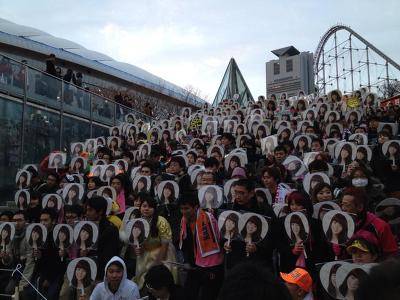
x=381 y=229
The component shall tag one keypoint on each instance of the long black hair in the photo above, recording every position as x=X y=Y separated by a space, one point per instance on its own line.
x=153 y=224
x=89 y=230
x=64 y=230
x=171 y=198
x=142 y=236
x=297 y=220
x=331 y=287
x=235 y=219
x=256 y=237
x=342 y=238
x=7 y=228
x=39 y=231
x=358 y=273
x=87 y=281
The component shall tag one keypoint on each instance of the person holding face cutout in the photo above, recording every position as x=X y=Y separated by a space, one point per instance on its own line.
x=81 y=273
x=231 y=241
x=304 y=245
x=168 y=192
x=354 y=201
x=253 y=230
x=85 y=237
x=7 y=232
x=63 y=237
x=157 y=247
x=22 y=199
x=338 y=227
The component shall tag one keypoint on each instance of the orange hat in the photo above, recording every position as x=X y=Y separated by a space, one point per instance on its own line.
x=299 y=277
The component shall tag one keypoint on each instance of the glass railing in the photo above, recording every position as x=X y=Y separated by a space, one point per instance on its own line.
x=47 y=90
x=12 y=76
x=43 y=88
x=103 y=110
x=76 y=100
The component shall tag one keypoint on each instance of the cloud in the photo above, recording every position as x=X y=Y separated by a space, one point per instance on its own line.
x=137 y=44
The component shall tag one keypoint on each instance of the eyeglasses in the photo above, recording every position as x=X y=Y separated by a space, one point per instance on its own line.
x=149 y=287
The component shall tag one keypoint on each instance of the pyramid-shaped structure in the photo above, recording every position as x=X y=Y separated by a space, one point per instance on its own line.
x=233 y=83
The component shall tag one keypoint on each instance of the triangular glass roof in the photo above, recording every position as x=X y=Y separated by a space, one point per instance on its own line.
x=233 y=84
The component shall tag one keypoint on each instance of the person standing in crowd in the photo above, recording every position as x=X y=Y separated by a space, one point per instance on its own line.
x=108 y=240
x=199 y=241
x=160 y=284
x=158 y=246
x=177 y=168
x=306 y=253
x=19 y=250
x=118 y=183
x=49 y=269
x=115 y=284
x=50 y=65
x=50 y=186
x=355 y=202
x=299 y=284
x=244 y=200
x=251 y=281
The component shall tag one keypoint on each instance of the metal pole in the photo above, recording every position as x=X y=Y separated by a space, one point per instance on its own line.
x=351 y=65
x=91 y=115
x=387 y=73
x=115 y=114
x=323 y=71
x=21 y=161
x=336 y=62
x=61 y=115
x=368 y=73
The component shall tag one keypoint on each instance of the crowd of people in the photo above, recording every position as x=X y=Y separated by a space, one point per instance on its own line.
x=286 y=198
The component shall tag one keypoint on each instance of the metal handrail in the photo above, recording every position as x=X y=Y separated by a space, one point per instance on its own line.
x=78 y=87
x=18 y=269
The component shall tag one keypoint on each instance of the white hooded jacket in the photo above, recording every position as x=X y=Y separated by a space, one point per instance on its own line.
x=127 y=290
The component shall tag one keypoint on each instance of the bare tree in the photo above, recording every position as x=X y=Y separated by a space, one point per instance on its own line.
x=194 y=92
x=390 y=89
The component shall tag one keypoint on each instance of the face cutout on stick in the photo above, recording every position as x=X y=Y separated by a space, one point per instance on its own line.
x=210 y=196
x=22 y=199
x=253 y=228
x=338 y=227
x=81 y=273
x=228 y=222
x=137 y=231
x=297 y=227
x=7 y=233
x=36 y=235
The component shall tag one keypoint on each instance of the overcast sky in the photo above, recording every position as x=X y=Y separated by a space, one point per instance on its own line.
x=190 y=42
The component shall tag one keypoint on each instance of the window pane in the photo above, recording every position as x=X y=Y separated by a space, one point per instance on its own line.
x=100 y=131
x=74 y=130
x=10 y=146
x=103 y=110
x=44 y=88
x=276 y=68
x=12 y=76
x=76 y=100
x=289 y=65
x=42 y=134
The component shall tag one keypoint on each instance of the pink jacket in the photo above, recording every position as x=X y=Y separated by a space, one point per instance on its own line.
x=121 y=201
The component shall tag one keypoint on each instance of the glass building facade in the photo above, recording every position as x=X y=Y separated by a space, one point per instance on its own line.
x=40 y=113
x=233 y=86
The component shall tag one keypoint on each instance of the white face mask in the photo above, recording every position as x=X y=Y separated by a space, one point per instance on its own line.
x=359 y=182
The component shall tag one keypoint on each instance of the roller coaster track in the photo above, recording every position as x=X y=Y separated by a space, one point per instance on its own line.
x=319 y=53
